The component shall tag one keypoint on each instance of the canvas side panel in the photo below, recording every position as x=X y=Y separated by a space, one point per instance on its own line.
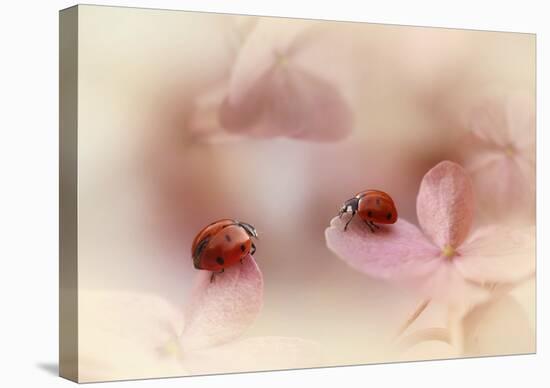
x=68 y=166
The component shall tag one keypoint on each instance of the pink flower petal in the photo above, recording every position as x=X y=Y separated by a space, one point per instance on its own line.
x=221 y=310
x=447 y=285
x=263 y=45
x=289 y=101
x=498 y=254
x=505 y=188
x=256 y=354
x=399 y=250
x=272 y=94
x=488 y=122
x=445 y=204
x=520 y=120
x=497 y=327
x=500 y=155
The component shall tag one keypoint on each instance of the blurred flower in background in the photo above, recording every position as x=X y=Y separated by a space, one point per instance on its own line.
x=278 y=87
x=275 y=91
x=499 y=153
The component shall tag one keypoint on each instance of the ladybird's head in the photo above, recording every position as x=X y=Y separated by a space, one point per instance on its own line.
x=350 y=205
x=249 y=229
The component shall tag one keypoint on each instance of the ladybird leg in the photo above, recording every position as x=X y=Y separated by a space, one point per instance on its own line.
x=253 y=249
x=351 y=218
x=370 y=226
x=214 y=273
x=373 y=224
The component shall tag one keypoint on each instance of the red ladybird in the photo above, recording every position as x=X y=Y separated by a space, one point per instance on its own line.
x=222 y=244
x=372 y=206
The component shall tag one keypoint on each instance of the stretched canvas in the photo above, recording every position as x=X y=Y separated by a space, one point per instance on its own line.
x=249 y=193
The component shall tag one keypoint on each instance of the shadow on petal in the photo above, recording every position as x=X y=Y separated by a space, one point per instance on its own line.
x=395 y=251
x=221 y=310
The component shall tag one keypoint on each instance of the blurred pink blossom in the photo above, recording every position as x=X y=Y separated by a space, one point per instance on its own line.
x=445 y=260
x=275 y=89
x=146 y=331
x=499 y=154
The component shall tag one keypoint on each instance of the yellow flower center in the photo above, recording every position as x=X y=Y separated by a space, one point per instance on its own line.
x=448 y=251
x=510 y=151
x=171 y=349
x=282 y=60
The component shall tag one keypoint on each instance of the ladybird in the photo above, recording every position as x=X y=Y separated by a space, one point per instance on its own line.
x=372 y=206
x=222 y=244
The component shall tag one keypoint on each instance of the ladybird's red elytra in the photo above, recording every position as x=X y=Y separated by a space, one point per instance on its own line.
x=371 y=206
x=222 y=244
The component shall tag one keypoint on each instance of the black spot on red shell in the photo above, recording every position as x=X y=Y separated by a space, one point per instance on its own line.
x=369 y=214
x=220 y=260
x=388 y=216
x=228 y=238
x=243 y=248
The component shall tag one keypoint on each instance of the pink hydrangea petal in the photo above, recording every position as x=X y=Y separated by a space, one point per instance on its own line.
x=288 y=101
x=221 y=310
x=447 y=285
x=482 y=159
x=526 y=169
x=258 y=353
x=270 y=94
x=488 y=122
x=520 y=120
x=445 y=204
x=498 y=254
x=497 y=327
x=269 y=39
x=505 y=188
x=394 y=251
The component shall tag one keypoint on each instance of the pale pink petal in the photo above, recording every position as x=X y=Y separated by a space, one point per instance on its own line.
x=447 y=285
x=498 y=327
x=445 y=204
x=394 y=251
x=482 y=159
x=126 y=335
x=488 y=122
x=221 y=310
x=271 y=94
x=264 y=45
x=520 y=117
x=256 y=354
x=288 y=101
x=505 y=188
x=498 y=254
